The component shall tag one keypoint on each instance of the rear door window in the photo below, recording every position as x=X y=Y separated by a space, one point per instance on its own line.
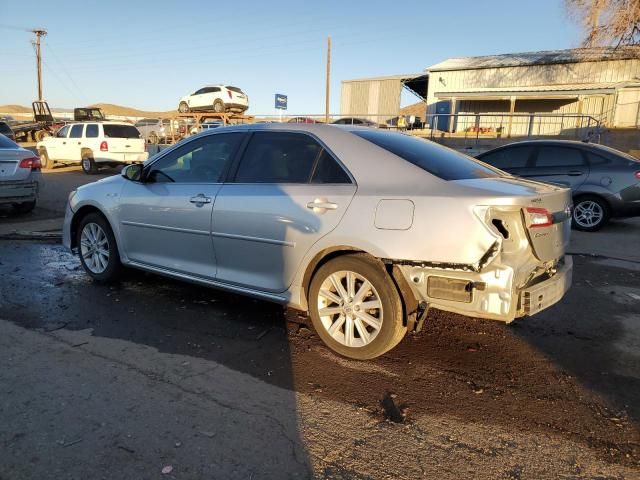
x=76 y=131
x=120 y=131
x=507 y=158
x=328 y=170
x=552 y=156
x=440 y=161
x=92 y=131
x=278 y=157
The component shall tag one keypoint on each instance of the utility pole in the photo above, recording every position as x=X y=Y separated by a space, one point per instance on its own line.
x=326 y=106
x=39 y=33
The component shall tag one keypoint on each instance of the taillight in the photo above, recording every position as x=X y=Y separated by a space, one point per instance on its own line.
x=104 y=146
x=229 y=93
x=638 y=175
x=32 y=162
x=539 y=217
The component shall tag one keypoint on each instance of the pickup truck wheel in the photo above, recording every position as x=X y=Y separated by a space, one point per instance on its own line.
x=44 y=160
x=153 y=138
x=89 y=165
x=24 y=207
x=183 y=107
x=97 y=249
x=356 y=308
x=590 y=213
x=218 y=106
x=40 y=135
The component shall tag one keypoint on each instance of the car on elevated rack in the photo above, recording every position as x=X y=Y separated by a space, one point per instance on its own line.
x=93 y=145
x=20 y=177
x=605 y=183
x=215 y=98
x=363 y=228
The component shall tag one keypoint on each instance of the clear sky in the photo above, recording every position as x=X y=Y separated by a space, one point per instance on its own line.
x=146 y=54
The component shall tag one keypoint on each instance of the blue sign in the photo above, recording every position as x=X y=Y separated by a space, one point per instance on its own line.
x=281 y=101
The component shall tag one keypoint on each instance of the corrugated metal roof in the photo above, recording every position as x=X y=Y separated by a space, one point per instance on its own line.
x=554 y=88
x=547 y=57
x=388 y=77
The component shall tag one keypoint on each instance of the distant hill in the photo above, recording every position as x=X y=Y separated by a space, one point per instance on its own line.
x=107 y=108
x=14 y=109
x=111 y=109
x=418 y=109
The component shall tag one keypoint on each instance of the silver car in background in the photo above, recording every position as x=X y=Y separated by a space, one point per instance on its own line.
x=362 y=228
x=20 y=177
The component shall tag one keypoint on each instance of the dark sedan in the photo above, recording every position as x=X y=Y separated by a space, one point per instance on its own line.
x=6 y=130
x=605 y=182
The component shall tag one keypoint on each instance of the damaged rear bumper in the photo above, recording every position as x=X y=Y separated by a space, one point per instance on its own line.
x=18 y=191
x=492 y=293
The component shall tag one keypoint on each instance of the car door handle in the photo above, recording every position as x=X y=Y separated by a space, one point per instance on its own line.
x=200 y=198
x=322 y=204
x=79 y=143
x=575 y=173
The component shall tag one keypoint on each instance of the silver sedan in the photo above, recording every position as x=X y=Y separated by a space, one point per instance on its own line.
x=364 y=229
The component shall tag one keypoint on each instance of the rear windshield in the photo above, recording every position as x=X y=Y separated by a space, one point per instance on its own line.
x=4 y=128
x=235 y=89
x=121 y=131
x=435 y=159
x=6 y=142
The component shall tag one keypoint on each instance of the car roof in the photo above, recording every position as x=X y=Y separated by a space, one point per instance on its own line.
x=103 y=122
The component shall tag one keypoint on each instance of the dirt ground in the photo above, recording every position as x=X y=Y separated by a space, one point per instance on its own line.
x=123 y=381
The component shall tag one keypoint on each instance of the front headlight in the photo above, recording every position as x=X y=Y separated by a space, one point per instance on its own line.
x=71 y=195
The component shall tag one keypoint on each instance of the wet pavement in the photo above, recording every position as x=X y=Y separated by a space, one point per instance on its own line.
x=125 y=380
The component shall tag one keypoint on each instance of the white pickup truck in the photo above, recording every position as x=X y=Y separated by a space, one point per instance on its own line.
x=93 y=144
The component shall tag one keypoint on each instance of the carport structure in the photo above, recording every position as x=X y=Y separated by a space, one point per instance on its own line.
x=537 y=93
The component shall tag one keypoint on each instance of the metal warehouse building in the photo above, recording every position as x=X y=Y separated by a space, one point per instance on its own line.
x=602 y=83
x=378 y=98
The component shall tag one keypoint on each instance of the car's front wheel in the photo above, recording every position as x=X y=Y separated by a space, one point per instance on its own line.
x=590 y=213
x=355 y=307
x=183 y=107
x=97 y=248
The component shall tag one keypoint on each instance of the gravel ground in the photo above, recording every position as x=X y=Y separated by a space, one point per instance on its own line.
x=122 y=381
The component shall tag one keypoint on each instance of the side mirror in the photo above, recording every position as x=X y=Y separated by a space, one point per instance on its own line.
x=133 y=172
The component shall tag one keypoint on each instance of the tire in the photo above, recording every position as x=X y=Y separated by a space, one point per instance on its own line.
x=382 y=324
x=94 y=237
x=24 y=207
x=183 y=107
x=590 y=213
x=153 y=138
x=40 y=135
x=218 y=106
x=89 y=165
x=44 y=160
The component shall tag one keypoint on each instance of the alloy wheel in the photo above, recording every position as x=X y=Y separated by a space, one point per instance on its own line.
x=94 y=248
x=588 y=214
x=350 y=308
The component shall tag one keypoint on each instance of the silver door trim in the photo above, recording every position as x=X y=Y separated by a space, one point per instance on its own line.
x=210 y=283
x=248 y=238
x=163 y=227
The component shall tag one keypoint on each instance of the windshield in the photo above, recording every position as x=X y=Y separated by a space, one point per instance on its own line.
x=440 y=161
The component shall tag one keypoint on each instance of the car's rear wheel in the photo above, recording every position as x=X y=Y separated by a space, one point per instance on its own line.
x=24 y=207
x=97 y=248
x=153 y=138
x=356 y=308
x=218 y=106
x=89 y=165
x=590 y=213
x=183 y=107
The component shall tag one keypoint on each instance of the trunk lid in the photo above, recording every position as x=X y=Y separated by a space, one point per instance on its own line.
x=549 y=240
x=9 y=164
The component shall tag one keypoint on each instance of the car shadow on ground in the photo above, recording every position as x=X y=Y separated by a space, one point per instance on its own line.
x=571 y=371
